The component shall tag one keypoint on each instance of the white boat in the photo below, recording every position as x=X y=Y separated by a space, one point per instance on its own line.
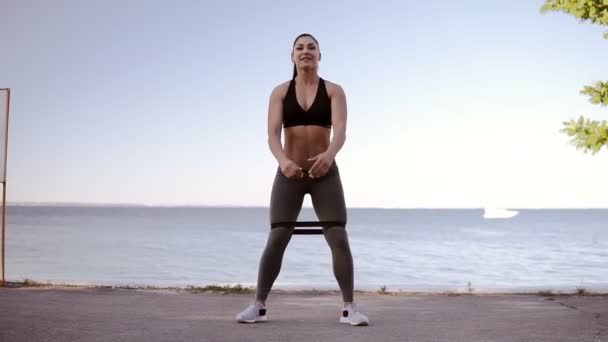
x=498 y=213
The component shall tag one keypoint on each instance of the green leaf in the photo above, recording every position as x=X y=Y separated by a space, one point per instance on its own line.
x=598 y=93
x=591 y=136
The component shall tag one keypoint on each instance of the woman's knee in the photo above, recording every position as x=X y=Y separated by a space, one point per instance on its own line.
x=279 y=236
x=337 y=238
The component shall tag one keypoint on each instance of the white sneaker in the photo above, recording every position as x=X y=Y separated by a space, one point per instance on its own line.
x=351 y=315
x=255 y=312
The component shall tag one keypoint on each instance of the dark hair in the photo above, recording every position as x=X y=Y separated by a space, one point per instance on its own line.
x=295 y=70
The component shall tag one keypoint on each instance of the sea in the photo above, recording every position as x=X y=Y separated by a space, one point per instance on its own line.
x=429 y=250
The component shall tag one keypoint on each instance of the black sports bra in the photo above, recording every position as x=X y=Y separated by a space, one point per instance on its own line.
x=318 y=114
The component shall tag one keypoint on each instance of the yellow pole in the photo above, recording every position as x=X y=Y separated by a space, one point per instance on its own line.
x=8 y=101
x=3 y=223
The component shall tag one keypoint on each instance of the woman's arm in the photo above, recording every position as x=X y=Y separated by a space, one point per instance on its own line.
x=323 y=161
x=275 y=122
x=338 y=120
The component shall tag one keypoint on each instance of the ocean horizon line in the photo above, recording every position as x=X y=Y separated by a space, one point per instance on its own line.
x=241 y=206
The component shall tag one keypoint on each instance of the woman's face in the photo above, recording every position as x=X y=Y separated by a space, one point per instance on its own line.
x=306 y=53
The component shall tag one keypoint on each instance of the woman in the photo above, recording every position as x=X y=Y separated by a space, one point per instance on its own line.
x=306 y=107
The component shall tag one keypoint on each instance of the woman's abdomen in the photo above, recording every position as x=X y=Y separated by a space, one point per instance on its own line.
x=304 y=142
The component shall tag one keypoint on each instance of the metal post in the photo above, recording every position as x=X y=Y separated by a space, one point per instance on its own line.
x=8 y=101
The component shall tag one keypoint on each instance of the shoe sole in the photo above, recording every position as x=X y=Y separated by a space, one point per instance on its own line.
x=360 y=324
x=261 y=319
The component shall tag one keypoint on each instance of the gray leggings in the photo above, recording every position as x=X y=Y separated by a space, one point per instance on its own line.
x=285 y=205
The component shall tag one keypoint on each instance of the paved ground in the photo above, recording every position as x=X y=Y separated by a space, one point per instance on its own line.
x=98 y=314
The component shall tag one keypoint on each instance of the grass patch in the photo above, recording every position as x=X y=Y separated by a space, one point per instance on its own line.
x=136 y=287
x=222 y=289
x=29 y=282
x=581 y=291
x=546 y=293
x=383 y=290
x=24 y=283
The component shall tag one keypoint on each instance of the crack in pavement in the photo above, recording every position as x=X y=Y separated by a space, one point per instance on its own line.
x=596 y=319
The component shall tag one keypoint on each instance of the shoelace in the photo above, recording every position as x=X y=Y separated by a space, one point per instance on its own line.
x=252 y=306
x=354 y=308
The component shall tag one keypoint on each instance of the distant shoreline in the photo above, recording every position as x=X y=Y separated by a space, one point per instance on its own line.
x=540 y=291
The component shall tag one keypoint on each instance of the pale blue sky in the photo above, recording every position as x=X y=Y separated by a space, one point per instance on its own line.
x=451 y=104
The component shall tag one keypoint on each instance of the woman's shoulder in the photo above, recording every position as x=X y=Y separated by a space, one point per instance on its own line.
x=333 y=88
x=280 y=90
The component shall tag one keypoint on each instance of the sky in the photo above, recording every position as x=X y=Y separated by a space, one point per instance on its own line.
x=451 y=104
